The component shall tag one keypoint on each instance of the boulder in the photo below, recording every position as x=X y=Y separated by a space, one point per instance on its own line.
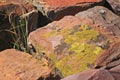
x=74 y=42
x=16 y=65
x=108 y=26
x=92 y=74
x=56 y=9
x=115 y=4
x=60 y=41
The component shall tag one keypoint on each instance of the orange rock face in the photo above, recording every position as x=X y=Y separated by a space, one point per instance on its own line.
x=56 y=9
x=62 y=3
x=16 y=65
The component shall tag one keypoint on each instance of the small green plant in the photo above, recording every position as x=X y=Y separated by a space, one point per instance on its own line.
x=19 y=32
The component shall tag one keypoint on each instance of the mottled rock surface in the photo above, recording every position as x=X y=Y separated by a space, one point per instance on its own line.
x=116 y=72
x=83 y=35
x=115 y=4
x=97 y=74
x=62 y=40
x=56 y=9
x=108 y=24
x=93 y=74
x=16 y=65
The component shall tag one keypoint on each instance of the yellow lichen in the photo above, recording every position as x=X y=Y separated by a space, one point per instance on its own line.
x=51 y=33
x=84 y=53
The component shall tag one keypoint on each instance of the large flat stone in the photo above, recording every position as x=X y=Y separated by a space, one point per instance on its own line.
x=56 y=9
x=55 y=39
x=16 y=65
x=109 y=26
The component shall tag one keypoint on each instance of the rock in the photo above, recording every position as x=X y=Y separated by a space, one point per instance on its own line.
x=58 y=44
x=66 y=41
x=92 y=74
x=108 y=26
x=16 y=65
x=116 y=72
x=115 y=4
x=56 y=9
x=100 y=17
x=13 y=1
x=115 y=69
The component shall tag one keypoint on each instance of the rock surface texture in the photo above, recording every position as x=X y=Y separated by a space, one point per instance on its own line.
x=115 y=4
x=64 y=37
x=16 y=65
x=93 y=74
x=56 y=9
x=97 y=74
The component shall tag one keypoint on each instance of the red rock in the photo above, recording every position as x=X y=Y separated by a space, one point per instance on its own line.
x=106 y=27
x=108 y=57
x=115 y=4
x=115 y=69
x=56 y=9
x=13 y=1
x=116 y=72
x=62 y=3
x=94 y=17
x=92 y=74
x=16 y=65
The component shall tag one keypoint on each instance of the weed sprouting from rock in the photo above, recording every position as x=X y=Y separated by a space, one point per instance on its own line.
x=19 y=32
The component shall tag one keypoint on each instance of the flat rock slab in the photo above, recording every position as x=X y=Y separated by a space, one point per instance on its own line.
x=14 y=1
x=92 y=74
x=100 y=18
x=64 y=37
x=56 y=9
x=16 y=65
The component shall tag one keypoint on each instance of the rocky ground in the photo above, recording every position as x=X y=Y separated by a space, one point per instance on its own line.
x=59 y=39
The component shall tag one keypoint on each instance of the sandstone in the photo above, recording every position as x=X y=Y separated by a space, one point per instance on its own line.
x=16 y=65
x=116 y=72
x=115 y=4
x=92 y=74
x=13 y=1
x=108 y=26
x=56 y=9
x=64 y=42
